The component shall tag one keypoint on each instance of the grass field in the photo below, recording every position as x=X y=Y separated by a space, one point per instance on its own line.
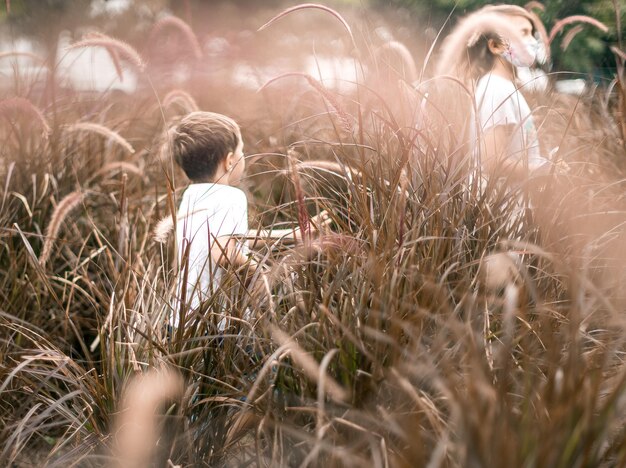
x=437 y=321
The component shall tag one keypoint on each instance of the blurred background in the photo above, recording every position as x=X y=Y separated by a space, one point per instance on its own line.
x=226 y=29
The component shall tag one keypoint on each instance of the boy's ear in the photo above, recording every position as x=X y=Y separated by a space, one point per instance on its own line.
x=229 y=161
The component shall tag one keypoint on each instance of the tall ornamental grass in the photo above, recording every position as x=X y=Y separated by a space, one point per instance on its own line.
x=438 y=320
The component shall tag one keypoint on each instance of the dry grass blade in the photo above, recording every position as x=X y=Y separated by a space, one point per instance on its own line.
x=103 y=131
x=309 y=366
x=303 y=217
x=618 y=22
x=307 y=6
x=559 y=25
x=124 y=50
x=62 y=210
x=177 y=24
x=23 y=105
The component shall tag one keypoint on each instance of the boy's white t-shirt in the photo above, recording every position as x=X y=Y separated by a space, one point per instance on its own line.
x=207 y=211
x=499 y=102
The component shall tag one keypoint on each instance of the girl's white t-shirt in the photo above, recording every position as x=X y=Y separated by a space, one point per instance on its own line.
x=207 y=211
x=499 y=102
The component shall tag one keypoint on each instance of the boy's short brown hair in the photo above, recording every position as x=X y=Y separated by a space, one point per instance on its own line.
x=200 y=141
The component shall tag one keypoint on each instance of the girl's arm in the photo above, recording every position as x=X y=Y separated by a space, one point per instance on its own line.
x=496 y=158
x=496 y=143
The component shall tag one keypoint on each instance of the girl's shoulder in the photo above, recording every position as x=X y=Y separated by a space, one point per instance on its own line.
x=496 y=86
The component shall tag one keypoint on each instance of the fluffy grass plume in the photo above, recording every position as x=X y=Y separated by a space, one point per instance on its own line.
x=61 y=211
x=305 y=6
x=119 y=166
x=535 y=5
x=182 y=98
x=570 y=35
x=121 y=48
x=178 y=25
x=331 y=166
x=165 y=225
x=113 y=54
x=36 y=58
x=163 y=229
x=137 y=433
x=103 y=131
x=400 y=50
x=618 y=52
x=560 y=25
x=22 y=105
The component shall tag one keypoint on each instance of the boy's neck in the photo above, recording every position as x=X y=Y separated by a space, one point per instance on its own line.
x=209 y=181
x=220 y=177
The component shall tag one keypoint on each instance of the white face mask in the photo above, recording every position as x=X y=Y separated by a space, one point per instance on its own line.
x=542 y=55
x=519 y=58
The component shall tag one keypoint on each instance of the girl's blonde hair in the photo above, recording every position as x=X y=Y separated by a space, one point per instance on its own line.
x=465 y=54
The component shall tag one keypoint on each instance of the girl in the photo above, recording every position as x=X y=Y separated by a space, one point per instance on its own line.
x=484 y=52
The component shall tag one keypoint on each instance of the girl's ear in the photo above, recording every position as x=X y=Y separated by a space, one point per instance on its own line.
x=496 y=47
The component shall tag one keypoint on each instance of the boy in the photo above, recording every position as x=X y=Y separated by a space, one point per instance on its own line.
x=213 y=213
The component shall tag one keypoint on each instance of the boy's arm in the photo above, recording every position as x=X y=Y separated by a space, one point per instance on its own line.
x=227 y=251
x=265 y=236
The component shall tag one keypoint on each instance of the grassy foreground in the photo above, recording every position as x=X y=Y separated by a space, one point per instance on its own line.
x=437 y=322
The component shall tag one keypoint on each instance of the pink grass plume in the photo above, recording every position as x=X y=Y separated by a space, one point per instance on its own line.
x=121 y=48
x=61 y=211
x=23 y=105
x=177 y=24
x=308 y=6
x=560 y=25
